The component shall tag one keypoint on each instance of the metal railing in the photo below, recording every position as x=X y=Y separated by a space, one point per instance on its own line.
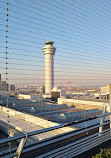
x=80 y=146
x=69 y=148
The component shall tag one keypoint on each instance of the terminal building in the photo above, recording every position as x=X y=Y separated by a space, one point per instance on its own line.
x=57 y=93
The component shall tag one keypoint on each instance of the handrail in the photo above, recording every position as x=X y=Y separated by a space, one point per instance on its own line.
x=77 y=142
x=6 y=140
x=60 y=139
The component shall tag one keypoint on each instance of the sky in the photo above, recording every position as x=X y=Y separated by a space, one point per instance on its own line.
x=80 y=29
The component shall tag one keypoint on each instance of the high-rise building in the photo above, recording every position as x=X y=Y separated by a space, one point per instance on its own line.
x=4 y=86
x=49 y=52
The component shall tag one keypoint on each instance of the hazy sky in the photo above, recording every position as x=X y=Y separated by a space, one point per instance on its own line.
x=81 y=30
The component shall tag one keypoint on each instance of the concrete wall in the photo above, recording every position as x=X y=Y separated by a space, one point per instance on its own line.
x=61 y=100
x=24 y=96
x=83 y=103
x=37 y=97
x=33 y=97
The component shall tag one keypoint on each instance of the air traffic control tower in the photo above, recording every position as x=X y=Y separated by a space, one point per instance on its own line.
x=49 y=52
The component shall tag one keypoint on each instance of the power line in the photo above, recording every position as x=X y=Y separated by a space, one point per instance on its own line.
x=52 y=9
x=52 y=28
x=29 y=16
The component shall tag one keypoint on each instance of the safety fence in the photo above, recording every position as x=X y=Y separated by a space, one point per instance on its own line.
x=68 y=144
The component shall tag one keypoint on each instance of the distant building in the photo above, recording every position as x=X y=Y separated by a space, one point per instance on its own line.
x=41 y=89
x=108 y=88
x=91 y=90
x=33 y=97
x=12 y=87
x=57 y=93
x=3 y=86
x=105 y=89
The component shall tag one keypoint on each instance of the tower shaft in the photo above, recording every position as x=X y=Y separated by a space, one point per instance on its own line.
x=49 y=73
x=49 y=52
